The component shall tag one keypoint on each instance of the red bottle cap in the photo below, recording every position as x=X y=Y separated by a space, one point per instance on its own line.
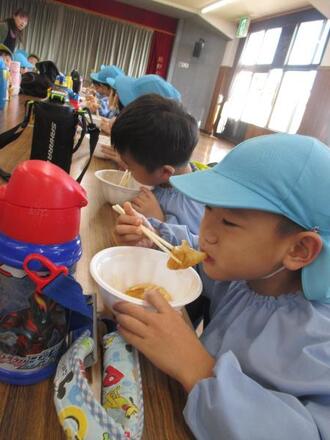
x=41 y=204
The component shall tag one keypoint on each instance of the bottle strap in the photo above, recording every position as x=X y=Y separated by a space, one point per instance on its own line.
x=94 y=133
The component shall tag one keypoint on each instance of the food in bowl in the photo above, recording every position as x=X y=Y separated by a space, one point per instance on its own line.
x=139 y=290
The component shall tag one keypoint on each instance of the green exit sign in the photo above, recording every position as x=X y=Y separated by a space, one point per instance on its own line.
x=243 y=27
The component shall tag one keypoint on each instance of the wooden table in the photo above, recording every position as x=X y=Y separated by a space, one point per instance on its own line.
x=28 y=412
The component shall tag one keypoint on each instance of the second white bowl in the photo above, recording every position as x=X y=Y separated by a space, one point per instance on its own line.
x=113 y=192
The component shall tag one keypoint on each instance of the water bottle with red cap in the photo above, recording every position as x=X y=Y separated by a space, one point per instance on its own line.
x=39 y=214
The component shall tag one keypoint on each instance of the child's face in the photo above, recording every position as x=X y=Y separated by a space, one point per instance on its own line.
x=20 y=22
x=7 y=60
x=32 y=60
x=105 y=90
x=102 y=89
x=241 y=244
x=141 y=174
x=97 y=87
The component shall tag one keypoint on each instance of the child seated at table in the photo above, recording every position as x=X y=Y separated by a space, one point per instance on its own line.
x=261 y=369
x=33 y=59
x=127 y=90
x=103 y=102
x=25 y=65
x=155 y=138
x=6 y=54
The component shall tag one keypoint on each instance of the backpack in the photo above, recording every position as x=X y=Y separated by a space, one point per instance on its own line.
x=37 y=84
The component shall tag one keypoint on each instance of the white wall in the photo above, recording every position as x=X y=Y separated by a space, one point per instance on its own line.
x=195 y=77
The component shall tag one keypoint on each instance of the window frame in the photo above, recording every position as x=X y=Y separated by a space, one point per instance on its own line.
x=288 y=23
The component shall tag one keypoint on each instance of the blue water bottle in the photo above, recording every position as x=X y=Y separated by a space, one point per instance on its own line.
x=3 y=83
x=39 y=214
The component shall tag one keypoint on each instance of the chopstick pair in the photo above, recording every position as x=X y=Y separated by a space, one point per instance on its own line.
x=155 y=238
x=126 y=177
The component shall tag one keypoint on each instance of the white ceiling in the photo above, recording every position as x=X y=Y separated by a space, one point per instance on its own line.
x=225 y=18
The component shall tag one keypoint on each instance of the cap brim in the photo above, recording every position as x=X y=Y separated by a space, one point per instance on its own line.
x=95 y=77
x=111 y=82
x=316 y=276
x=213 y=189
x=124 y=86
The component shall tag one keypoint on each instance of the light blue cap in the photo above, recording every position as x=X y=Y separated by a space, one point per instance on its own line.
x=111 y=82
x=129 y=89
x=20 y=57
x=106 y=72
x=283 y=174
x=22 y=51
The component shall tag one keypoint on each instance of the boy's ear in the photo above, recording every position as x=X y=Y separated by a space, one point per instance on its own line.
x=304 y=249
x=166 y=172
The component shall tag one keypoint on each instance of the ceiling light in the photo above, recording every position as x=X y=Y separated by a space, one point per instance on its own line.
x=216 y=5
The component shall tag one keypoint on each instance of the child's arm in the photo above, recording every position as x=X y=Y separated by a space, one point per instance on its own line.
x=104 y=106
x=106 y=125
x=234 y=406
x=223 y=401
x=164 y=338
x=128 y=233
x=111 y=154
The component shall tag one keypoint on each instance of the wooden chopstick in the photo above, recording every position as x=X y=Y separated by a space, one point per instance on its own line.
x=155 y=238
x=123 y=179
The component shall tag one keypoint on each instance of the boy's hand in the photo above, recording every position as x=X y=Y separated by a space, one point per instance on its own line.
x=128 y=231
x=147 y=204
x=164 y=338
x=106 y=125
x=112 y=154
x=92 y=104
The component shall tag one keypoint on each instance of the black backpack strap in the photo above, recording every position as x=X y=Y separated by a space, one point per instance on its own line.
x=83 y=132
x=15 y=132
x=94 y=133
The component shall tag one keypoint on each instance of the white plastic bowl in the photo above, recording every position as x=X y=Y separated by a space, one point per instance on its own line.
x=114 y=193
x=118 y=268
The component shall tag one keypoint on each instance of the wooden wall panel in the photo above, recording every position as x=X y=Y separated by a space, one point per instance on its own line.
x=221 y=87
x=316 y=119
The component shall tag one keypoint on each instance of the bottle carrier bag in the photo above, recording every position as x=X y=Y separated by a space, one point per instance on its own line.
x=53 y=133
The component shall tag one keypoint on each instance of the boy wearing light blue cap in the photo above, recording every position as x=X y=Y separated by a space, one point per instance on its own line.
x=21 y=57
x=261 y=369
x=129 y=89
x=103 y=89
